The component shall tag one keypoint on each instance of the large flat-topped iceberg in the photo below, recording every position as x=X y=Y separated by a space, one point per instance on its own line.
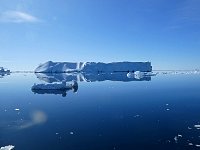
x=93 y=67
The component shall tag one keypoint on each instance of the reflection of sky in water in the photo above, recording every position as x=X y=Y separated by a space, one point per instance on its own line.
x=159 y=114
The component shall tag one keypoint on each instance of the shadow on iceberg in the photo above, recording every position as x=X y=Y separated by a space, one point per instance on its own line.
x=55 y=88
x=92 y=77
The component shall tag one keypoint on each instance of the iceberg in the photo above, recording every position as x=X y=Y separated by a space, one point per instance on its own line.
x=93 y=67
x=4 y=71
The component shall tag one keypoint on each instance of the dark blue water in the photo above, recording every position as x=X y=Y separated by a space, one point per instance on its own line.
x=158 y=113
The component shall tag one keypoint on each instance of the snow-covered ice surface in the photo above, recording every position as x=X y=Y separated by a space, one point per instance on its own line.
x=94 y=67
x=9 y=147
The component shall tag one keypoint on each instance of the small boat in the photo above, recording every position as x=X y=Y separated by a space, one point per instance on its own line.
x=55 y=86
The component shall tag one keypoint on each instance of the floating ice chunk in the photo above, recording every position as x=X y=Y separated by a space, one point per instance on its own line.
x=176 y=139
x=190 y=144
x=130 y=75
x=136 y=74
x=71 y=133
x=9 y=147
x=197 y=145
x=189 y=128
x=179 y=135
x=197 y=126
x=139 y=75
x=17 y=109
x=137 y=116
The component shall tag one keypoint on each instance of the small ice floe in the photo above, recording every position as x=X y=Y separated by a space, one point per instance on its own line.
x=189 y=128
x=57 y=133
x=168 y=141
x=71 y=133
x=131 y=75
x=197 y=145
x=167 y=109
x=190 y=144
x=9 y=147
x=16 y=109
x=167 y=104
x=197 y=126
x=177 y=137
x=136 y=116
x=139 y=74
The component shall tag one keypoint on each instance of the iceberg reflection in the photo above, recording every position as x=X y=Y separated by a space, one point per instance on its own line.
x=57 y=82
x=67 y=77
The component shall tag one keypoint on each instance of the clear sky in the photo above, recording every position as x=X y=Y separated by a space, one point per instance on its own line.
x=165 y=32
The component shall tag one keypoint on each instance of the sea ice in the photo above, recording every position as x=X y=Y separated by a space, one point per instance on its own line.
x=197 y=126
x=9 y=147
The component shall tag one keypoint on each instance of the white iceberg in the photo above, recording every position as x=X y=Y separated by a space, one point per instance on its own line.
x=93 y=67
x=9 y=147
x=4 y=72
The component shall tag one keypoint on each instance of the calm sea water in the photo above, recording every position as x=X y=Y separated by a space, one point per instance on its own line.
x=157 y=113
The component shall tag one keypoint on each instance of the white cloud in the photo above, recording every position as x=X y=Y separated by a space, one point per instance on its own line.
x=17 y=17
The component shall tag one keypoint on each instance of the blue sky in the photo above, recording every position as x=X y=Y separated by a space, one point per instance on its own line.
x=165 y=32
